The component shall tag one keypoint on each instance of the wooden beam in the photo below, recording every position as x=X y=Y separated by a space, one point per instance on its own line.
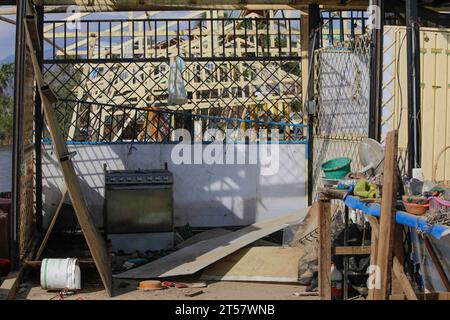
x=403 y=280
x=95 y=242
x=324 y=223
x=52 y=224
x=148 y=5
x=351 y=251
x=387 y=216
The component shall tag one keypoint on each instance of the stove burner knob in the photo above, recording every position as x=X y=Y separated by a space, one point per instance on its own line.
x=150 y=178
x=139 y=179
x=166 y=178
x=129 y=179
x=112 y=180
x=121 y=179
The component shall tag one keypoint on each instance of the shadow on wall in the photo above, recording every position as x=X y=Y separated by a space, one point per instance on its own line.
x=204 y=195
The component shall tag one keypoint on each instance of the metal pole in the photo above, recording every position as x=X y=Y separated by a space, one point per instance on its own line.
x=413 y=72
x=313 y=31
x=38 y=122
x=376 y=74
x=17 y=155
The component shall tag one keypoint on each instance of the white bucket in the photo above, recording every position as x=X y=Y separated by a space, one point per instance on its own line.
x=60 y=274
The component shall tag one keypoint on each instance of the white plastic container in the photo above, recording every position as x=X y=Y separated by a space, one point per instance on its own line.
x=59 y=274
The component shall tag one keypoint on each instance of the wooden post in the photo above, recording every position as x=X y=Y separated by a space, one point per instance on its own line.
x=387 y=216
x=324 y=223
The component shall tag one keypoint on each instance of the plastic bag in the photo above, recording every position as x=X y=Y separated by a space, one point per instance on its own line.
x=177 y=91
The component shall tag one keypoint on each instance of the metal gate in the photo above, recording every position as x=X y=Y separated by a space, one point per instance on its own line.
x=110 y=76
x=342 y=91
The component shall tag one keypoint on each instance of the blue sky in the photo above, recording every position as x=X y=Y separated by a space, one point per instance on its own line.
x=7 y=37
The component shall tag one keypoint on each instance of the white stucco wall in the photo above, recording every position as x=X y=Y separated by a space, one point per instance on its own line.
x=204 y=195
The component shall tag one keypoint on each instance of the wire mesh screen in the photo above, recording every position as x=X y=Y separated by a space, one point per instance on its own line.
x=342 y=95
x=111 y=77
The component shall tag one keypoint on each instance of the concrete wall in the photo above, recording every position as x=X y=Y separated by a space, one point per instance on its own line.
x=204 y=195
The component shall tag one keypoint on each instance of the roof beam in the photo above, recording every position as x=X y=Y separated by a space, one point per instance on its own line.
x=144 y=5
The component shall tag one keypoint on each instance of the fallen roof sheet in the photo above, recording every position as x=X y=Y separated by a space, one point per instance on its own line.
x=191 y=259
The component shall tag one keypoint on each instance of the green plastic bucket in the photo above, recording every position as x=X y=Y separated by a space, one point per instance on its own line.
x=336 y=168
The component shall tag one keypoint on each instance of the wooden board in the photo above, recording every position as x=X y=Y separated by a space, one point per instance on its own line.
x=95 y=242
x=202 y=254
x=387 y=216
x=257 y=264
x=351 y=251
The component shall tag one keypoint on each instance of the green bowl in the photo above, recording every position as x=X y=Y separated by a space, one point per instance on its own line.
x=336 y=168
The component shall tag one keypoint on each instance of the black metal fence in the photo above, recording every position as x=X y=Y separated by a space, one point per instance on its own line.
x=111 y=76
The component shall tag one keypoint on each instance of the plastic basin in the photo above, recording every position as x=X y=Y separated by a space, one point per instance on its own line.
x=336 y=168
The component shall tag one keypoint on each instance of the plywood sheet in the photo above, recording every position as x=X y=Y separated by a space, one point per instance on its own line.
x=266 y=264
x=200 y=255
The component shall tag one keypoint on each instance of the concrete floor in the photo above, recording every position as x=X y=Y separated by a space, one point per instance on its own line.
x=126 y=290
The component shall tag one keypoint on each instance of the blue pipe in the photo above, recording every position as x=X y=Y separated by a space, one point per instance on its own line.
x=401 y=217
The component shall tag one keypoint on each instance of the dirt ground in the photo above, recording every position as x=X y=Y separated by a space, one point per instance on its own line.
x=126 y=290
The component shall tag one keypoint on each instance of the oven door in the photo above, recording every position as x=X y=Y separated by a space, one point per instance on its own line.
x=139 y=209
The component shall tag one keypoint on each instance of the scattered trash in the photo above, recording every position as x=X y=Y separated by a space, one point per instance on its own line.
x=178 y=285
x=194 y=293
x=150 y=285
x=306 y=294
x=199 y=285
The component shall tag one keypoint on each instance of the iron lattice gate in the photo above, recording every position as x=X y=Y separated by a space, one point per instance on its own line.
x=342 y=91
x=110 y=76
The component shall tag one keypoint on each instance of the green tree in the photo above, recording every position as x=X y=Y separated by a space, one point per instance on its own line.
x=6 y=102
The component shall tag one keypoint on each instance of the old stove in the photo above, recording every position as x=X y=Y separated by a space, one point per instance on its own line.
x=139 y=209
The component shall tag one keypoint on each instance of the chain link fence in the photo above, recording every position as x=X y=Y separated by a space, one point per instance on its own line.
x=342 y=93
